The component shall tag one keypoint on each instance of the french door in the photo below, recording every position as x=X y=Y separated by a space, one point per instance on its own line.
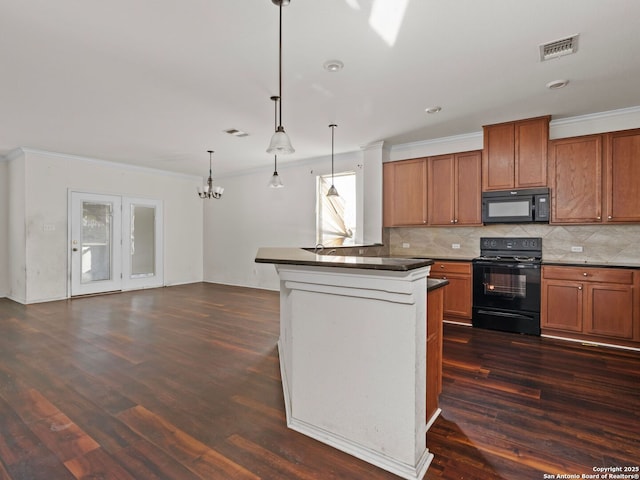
x=116 y=243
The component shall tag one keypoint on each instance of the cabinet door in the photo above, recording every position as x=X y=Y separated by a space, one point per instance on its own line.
x=497 y=157
x=531 y=138
x=562 y=305
x=457 y=295
x=441 y=190
x=405 y=192
x=609 y=310
x=623 y=176
x=575 y=174
x=434 y=349
x=468 y=185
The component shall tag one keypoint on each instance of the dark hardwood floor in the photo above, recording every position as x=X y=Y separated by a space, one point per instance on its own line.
x=183 y=383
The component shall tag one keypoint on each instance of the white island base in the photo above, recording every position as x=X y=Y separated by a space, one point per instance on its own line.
x=353 y=361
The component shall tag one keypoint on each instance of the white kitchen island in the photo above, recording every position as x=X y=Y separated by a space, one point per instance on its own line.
x=353 y=354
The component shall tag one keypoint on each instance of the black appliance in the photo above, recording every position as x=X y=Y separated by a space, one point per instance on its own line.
x=506 y=285
x=516 y=206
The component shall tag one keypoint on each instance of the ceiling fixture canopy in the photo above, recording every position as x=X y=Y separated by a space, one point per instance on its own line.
x=209 y=190
x=557 y=84
x=276 y=181
x=333 y=191
x=280 y=142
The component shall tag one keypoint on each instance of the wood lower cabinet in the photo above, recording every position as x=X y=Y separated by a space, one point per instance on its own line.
x=434 y=349
x=454 y=189
x=458 y=294
x=590 y=303
x=515 y=154
x=405 y=192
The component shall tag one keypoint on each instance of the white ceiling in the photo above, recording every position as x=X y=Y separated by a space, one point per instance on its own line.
x=155 y=82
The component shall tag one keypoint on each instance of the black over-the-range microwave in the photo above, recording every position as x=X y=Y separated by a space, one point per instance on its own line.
x=516 y=206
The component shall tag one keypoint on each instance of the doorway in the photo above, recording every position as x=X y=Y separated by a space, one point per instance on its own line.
x=116 y=243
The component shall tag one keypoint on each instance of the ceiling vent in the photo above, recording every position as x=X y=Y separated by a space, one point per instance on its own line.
x=236 y=133
x=559 y=48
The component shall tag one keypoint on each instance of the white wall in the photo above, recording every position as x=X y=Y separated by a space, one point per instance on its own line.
x=251 y=215
x=16 y=232
x=47 y=179
x=4 y=227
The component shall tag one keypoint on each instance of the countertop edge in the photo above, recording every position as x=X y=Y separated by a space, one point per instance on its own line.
x=300 y=256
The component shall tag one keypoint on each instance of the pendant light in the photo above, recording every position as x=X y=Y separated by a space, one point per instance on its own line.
x=333 y=191
x=275 y=181
x=280 y=143
x=209 y=190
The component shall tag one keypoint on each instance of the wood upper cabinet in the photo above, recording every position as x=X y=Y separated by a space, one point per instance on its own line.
x=591 y=303
x=622 y=160
x=595 y=178
x=575 y=178
x=515 y=154
x=454 y=189
x=405 y=192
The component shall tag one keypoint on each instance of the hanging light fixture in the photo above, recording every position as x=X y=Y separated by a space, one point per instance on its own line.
x=209 y=190
x=280 y=143
x=333 y=191
x=275 y=181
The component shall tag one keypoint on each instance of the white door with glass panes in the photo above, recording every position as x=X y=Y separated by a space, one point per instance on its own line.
x=96 y=231
x=142 y=243
x=116 y=243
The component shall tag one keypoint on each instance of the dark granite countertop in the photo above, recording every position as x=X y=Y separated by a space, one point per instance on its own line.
x=590 y=263
x=435 y=283
x=300 y=256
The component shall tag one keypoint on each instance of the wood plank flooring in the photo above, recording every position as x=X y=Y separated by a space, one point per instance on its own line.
x=183 y=383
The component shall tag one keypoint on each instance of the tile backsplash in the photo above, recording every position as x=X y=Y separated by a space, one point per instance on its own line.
x=603 y=244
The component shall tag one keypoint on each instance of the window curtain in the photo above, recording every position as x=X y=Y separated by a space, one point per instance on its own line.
x=334 y=231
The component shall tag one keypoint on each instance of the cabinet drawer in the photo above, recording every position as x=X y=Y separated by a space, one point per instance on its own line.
x=451 y=267
x=588 y=274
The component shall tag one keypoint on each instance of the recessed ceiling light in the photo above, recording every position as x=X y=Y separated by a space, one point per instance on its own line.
x=557 y=84
x=333 y=65
x=433 y=109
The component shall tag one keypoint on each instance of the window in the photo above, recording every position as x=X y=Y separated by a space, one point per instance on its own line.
x=336 y=217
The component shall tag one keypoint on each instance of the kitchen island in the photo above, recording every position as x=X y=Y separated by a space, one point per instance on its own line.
x=353 y=354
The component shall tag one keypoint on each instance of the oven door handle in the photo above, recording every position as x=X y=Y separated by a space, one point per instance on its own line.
x=508 y=265
x=499 y=314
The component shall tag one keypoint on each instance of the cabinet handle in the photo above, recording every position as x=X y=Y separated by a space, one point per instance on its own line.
x=584 y=274
x=609 y=217
x=451 y=221
x=579 y=288
x=455 y=221
x=441 y=266
x=598 y=218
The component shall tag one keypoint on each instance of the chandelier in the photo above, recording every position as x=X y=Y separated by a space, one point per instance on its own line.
x=209 y=190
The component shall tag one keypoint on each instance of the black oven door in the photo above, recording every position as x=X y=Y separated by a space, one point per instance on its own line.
x=506 y=296
x=508 y=286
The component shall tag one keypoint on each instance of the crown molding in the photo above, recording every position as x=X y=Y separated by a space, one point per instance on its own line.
x=105 y=163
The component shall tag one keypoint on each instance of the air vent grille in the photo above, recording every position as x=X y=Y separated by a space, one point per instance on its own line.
x=236 y=133
x=559 y=48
